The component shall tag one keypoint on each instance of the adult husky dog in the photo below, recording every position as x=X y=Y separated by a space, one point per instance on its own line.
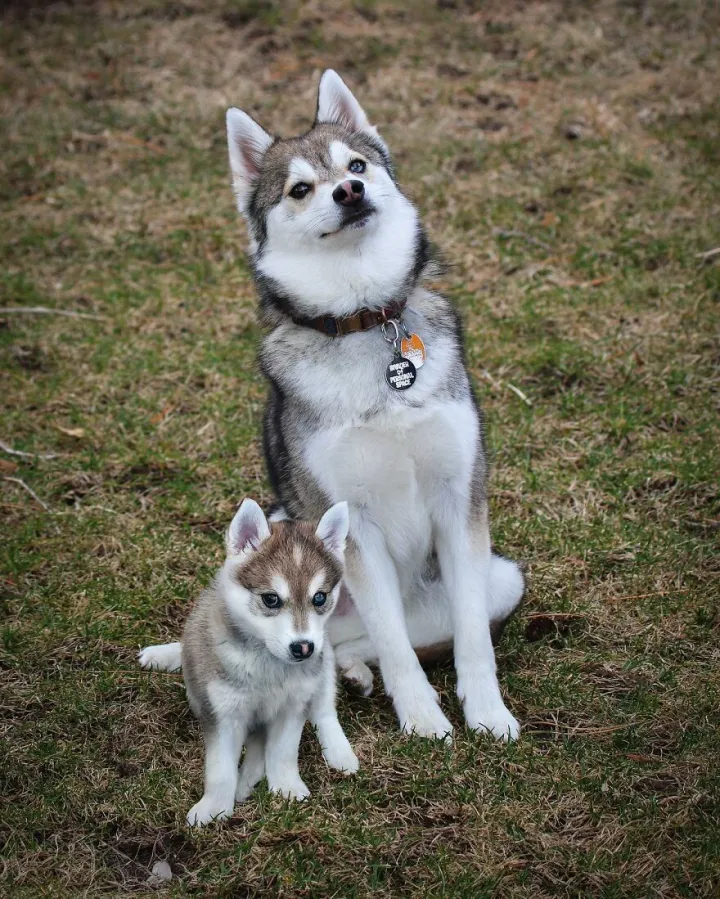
x=339 y=255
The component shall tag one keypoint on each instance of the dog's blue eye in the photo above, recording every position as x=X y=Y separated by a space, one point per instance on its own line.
x=271 y=600
x=300 y=190
x=319 y=599
x=357 y=166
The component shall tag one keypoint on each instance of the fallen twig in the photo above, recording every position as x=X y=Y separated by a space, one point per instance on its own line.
x=708 y=254
x=567 y=284
x=555 y=614
x=83 y=508
x=107 y=136
x=642 y=595
x=46 y=310
x=498 y=382
x=500 y=232
x=139 y=142
x=30 y=491
x=23 y=455
x=579 y=729
x=518 y=392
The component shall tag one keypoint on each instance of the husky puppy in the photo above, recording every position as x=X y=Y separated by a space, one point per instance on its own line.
x=339 y=257
x=255 y=659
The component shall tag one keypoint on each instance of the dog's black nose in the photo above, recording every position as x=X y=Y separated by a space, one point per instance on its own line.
x=349 y=193
x=302 y=650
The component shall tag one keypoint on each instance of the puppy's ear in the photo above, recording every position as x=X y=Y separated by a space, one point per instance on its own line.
x=247 y=144
x=333 y=529
x=338 y=106
x=247 y=530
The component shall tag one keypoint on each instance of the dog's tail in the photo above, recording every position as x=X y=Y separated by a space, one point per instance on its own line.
x=162 y=657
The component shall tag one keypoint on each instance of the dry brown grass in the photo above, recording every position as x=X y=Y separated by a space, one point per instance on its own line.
x=565 y=158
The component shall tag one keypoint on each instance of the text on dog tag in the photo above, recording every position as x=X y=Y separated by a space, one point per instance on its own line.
x=400 y=374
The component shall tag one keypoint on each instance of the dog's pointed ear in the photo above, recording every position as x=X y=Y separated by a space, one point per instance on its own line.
x=247 y=530
x=337 y=106
x=333 y=528
x=247 y=144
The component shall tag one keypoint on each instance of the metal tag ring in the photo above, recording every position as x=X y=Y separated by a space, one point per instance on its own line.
x=383 y=328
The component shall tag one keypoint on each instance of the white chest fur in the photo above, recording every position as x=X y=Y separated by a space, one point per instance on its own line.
x=396 y=466
x=258 y=688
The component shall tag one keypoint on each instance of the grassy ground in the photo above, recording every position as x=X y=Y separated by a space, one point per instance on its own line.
x=566 y=158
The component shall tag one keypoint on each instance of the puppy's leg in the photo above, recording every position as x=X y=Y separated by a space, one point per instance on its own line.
x=253 y=766
x=336 y=749
x=372 y=579
x=162 y=657
x=463 y=550
x=281 y=754
x=223 y=743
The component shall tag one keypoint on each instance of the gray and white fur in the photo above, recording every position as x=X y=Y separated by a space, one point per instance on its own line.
x=411 y=464
x=255 y=660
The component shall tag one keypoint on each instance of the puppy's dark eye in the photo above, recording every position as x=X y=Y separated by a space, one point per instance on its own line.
x=271 y=600
x=300 y=190
x=357 y=166
x=319 y=599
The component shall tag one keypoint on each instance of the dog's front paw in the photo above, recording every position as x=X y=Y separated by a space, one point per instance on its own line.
x=208 y=809
x=421 y=714
x=291 y=789
x=494 y=718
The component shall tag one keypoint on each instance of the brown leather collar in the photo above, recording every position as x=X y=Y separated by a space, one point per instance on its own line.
x=362 y=320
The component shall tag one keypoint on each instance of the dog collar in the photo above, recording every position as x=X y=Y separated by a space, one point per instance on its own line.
x=362 y=320
x=408 y=349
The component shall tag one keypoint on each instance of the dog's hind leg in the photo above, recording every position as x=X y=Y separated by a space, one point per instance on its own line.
x=252 y=769
x=462 y=543
x=161 y=657
x=506 y=586
x=429 y=623
x=351 y=657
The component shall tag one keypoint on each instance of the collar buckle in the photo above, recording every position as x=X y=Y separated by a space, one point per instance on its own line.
x=331 y=326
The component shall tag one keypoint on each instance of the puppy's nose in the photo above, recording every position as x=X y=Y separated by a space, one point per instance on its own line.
x=349 y=193
x=302 y=650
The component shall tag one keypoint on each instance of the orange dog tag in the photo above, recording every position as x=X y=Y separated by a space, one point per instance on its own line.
x=413 y=349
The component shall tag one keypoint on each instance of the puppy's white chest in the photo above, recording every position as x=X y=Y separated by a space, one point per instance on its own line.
x=256 y=692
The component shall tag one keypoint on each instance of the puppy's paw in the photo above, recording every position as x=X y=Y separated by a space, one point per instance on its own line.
x=291 y=789
x=340 y=757
x=208 y=809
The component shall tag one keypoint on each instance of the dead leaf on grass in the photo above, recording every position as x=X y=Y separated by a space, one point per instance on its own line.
x=76 y=433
